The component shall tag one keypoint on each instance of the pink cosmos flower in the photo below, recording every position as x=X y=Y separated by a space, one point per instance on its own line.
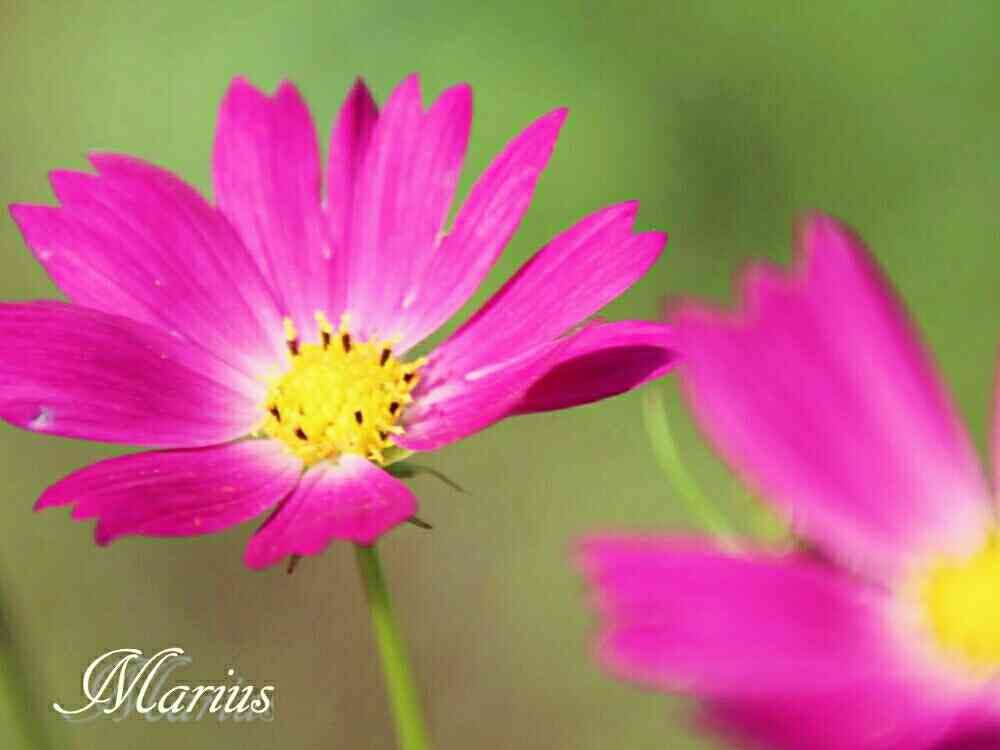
x=261 y=343
x=883 y=633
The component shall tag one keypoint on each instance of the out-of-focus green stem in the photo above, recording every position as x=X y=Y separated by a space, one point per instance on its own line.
x=697 y=504
x=18 y=713
x=403 y=698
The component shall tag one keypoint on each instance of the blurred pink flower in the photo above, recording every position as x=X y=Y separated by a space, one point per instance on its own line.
x=262 y=341
x=887 y=635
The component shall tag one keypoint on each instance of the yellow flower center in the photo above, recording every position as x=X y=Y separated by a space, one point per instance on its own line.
x=961 y=599
x=339 y=396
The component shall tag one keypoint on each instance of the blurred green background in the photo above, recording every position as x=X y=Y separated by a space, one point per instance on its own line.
x=723 y=118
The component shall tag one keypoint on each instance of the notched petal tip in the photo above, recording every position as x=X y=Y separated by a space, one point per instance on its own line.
x=70 y=185
x=109 y=164
x=244 y=98
x=657 y=241
x=50 y=499
x=240 y=85
x=817 y=234
x=406 y=93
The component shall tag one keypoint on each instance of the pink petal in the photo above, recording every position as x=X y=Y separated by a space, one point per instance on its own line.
x=266 y=172
x=134 y=240
x=878 y=715
x=403 y=194
x=571 y=278
x=820 y=393
x=178 y=493
x=67 y=370
x=602 y=361
x=484 y=225
x=806 y=646
x=352 y=500
x=987 y=738
x=681 y=615
x=349 y=142
x=449 y=406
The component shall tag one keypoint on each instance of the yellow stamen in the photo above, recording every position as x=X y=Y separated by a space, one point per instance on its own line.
x=961 y=601
x=339 y=396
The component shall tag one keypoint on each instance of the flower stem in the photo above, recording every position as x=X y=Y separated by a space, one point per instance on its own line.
x=399 y=683
x=698 y=506
x=17 y=709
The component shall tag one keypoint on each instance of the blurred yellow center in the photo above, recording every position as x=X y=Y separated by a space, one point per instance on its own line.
x=962 y=600
x=340 y=396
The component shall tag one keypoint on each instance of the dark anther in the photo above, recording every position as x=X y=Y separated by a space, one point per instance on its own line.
x=382 y=434
x=326 y=339
x=385 y=357
x=300 y=434
x=346 y=341
x=359 y=417
x=275 y=413
x=393 y=407
x=408 y=377
x=293 y=347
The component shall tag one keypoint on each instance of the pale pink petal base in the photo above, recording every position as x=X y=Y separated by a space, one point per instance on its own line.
x=178 y=493
x=352 y=500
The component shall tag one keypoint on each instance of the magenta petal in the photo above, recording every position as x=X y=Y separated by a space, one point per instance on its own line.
x=602 y=361
x=484 y=225
x=681 y=615
x=884 y=713
x=571 y=278
x=819 y=392
x=266 y=172
x=403 y=194
x=135 y=240
x=979 y=738
x=178 y=493
x=70 y=371
x=352 y=500
x=349 y=141
x=785 y=649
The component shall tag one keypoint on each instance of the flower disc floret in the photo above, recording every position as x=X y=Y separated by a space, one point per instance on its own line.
x=339 y=395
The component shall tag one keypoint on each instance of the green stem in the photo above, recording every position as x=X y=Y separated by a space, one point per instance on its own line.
x=399 y=683
x=698 y=505
x=17 y=709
